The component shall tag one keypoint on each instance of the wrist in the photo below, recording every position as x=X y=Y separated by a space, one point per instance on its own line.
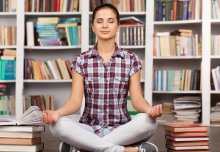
x=59 y=113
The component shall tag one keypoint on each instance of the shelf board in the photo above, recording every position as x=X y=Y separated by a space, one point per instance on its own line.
x=178 y=92
x=8 y=47
x=215 y=21
x=215 y=92
x=52 y=47
x=215 y=56
x=47 y=81
x=177 y=22
x=52 y=13
x=8 y=13
x=7 y=81
x=177 y=57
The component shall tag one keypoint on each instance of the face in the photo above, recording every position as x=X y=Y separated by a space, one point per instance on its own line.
x=105 y=24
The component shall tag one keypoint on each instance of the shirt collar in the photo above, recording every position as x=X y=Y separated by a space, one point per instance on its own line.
x=118 y=52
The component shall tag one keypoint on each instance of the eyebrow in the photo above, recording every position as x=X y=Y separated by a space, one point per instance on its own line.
x=108 y=18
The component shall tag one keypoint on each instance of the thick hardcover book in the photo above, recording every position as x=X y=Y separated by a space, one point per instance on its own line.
x=185 y=128
x=186 y=134
x=186 y=143
x=20 y=141
x=15 y=148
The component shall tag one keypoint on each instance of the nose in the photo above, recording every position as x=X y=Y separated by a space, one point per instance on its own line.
x=105 y=24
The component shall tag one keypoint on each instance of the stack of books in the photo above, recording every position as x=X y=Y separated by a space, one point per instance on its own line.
x=187 y=108
x=23 y=134
x=215 y=114
x=186 y=138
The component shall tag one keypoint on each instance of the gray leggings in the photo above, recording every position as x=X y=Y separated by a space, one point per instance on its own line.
x=82 y=136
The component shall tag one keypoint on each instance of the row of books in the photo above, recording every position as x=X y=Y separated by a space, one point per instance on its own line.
x=121 y=5
x=178 y=43
x=216 y=77
x=132 y=35
x=215 y=47
x=7 y=105
x=8 y=5
x=171 y=10
x=186 y=137
x=215 y=7
x=44 y=102
x=7 y=69
x=52 y=5
x=47 y=70
x=132 y=31
x=53 y=31
x=215 y=114
x=8 y=35
x=175 y=80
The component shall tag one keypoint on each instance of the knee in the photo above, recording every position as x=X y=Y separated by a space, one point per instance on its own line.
x=148 y=123
x=60 y=129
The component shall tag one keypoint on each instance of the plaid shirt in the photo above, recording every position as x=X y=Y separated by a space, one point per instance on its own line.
x=106 y=87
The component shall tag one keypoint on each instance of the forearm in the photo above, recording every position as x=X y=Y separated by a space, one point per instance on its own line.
x=69 y=107
x=141 y=105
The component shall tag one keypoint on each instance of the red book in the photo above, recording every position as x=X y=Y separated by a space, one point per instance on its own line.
x=57 y=5
x=185 y=128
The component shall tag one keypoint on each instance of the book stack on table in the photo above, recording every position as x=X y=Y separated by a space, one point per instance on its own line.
x=186 y=138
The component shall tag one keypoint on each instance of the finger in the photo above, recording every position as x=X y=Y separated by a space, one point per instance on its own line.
x=44 y=118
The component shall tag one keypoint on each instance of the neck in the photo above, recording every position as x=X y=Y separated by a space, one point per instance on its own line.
x=106 y=47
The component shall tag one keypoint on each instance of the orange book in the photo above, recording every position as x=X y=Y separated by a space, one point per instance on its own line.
x=186 y=143
x=185 y=128
x=20 y=141
x=186 y=134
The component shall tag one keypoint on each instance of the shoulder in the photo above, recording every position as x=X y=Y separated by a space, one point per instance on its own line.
x=84 y=55
x=128 y=54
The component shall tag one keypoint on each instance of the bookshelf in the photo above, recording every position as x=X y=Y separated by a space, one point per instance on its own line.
x=203 y=27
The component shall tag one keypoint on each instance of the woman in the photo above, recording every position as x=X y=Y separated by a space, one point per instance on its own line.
x=105 y=74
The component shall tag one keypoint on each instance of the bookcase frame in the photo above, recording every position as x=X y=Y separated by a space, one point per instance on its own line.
x=206 y=24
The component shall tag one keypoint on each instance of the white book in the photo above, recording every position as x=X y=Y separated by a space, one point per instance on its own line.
x=32 y=148
x=19 y=134
x=188 y=138
x=30 y=33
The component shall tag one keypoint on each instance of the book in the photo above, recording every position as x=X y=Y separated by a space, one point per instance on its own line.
x=188 y=147
x=186 y=134
x=187 y=138
x=19 y=134
x=23 y=148
x=32 y=116
x=16 y=128
x=185 y=128
x=20 y=141
x=171 y=150
x=186 y=143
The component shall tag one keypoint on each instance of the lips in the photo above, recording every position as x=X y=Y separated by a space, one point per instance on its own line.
x=105 y=32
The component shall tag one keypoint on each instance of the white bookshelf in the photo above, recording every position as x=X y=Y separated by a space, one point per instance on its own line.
x=145 y=52
x=201 y=27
